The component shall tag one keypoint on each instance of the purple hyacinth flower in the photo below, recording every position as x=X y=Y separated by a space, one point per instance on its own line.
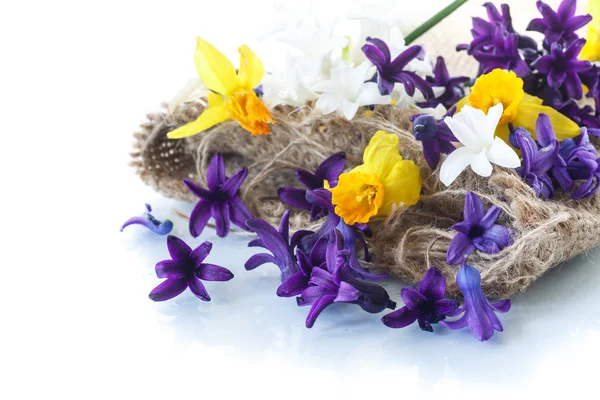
x=537 y=161
x=185 y=269
x=441 y=78
x=562 y=67
x=221 y=200
x=392 y=71
x=348 y=236
x=147 y=219
x=502 y=52
x=546 y=139
x=328 y=286
x=278 y=243
x=329 y=170
x=425 y=304
x=477 y=231
x=558 y=26
x=582 y=163
x=297 y=283
x=435 y=135
x=479 y=314
x=483 y=30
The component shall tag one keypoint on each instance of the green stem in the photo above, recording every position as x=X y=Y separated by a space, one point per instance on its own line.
x=433 y=21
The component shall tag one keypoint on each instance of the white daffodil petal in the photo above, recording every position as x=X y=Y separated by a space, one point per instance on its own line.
x=325 y=87
x=492 y=119
x=455 y=164
x=502 y=154
x=349 y=109
x=369 y=95
x=481 y=165
x=463 y=132
x=328 y=103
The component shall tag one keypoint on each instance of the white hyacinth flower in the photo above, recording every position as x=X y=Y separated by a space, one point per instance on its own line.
x=291 y=86
x=347 y=90
x=475 y=130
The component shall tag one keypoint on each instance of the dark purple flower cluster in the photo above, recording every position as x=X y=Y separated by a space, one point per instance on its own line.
x=319 y=267
x=547 y=161
x=552 y=72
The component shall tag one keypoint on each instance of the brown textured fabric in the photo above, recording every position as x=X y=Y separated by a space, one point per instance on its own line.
x=546 y=233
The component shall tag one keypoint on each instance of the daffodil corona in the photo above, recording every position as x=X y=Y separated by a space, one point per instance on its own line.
x=232 y=95
x=520 y=108
x=373 y=188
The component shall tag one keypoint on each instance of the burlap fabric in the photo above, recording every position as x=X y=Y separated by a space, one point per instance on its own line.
x=546 y=232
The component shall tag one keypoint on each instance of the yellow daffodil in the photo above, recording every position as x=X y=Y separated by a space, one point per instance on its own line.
x=373 y=188
x=232 y=95
x=520 y=109
x=591 y=50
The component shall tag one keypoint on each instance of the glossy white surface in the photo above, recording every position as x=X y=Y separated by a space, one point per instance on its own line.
x=77 y=78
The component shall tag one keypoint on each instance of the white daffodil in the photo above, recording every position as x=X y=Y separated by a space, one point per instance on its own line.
x=291 y=86
x=475 y=131
x=347 y=90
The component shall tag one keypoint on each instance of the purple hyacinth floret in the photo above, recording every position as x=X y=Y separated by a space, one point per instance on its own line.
x=453 y=90
x=298 y=282
x=425 y=304
x=147 y=219
x=335 y=229
x=393 y=71
x=483 y=30
x=329 y=170
x=328 y=286
x=502 y=52
x=186 y=268
x=477 y=231
x=479 y=313
x=220 y=200
x=435 y=136
x=562 y=67
x=559 y=26
x=278 y=243
x=582 y=163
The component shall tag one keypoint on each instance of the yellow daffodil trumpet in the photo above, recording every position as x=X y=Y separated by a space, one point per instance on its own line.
x=520 y=108
x=381 y=182
x=232 y=95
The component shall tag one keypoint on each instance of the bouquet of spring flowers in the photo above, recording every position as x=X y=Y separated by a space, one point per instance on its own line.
x=383 y=164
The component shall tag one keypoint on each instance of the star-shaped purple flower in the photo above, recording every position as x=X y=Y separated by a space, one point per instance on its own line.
x=185 y=269
x=425 y=304
x=278 y=243
x=221 y=200
x=329 y=170
x=537 y=162
x=331 y=286
x=562 y=67
x=441 y=78
x=479 y=313
x=502 y=52
x=435 y=135
x=392 y=71
x=148 y=220
x=477 y=231
x=335 y=229
x=558 y=26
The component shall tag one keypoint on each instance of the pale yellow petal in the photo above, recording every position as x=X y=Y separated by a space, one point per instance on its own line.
x=529 y=99
x=251 y=68
x=528 y=113
x=209 y=118
x=401 y=186
x=381 y=154
x=215 y=70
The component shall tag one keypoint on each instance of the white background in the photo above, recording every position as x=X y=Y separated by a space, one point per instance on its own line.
x=76 y=78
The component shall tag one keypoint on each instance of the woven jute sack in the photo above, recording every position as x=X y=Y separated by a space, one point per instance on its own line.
x=545 y=232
